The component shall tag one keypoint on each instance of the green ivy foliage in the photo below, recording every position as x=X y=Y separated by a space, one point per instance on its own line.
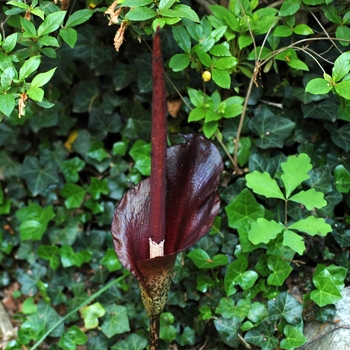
x=267 y=82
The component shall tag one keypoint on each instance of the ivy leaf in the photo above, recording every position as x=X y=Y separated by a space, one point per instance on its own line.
x=37 y=176
x=71 y=167
x=141 y=154
x=168 y=332
x=310 y=199
x=287 y=307
x=327 y=291
x=138 y=122
x=90 y=50
x=49 y=253
x=103 y=122
x=262 y=183
x=228 y=309
x=271 y=129
x=323 y=110
x=203 y=261
x=243 y=210
x=115 y=321
x=46 y=317
x=34 y=220
x=280 y=270
x=262 y=336
x=227 y=328
x=237 y=274
x=294 y=241
x=98 y=187
x=111 y=261
x=74 y=195
x=263 y=231
x=132 y=342
x=70 y=258
x=187 y=337
x=341 y=136
x=29 y=282
x=72 y=337
x=342 y=179
x=257 y=312
x=294 y=338
x=312 y=226
x=320 y=179
x=291 y=178
x=91 y=314
x=97 y=151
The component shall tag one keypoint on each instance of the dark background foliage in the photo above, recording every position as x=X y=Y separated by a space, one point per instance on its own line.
x=63 y=170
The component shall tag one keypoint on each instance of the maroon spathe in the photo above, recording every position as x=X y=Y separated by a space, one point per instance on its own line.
x=192 y=204
x=177 y=204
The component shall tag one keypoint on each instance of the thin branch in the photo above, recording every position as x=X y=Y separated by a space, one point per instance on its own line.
x=324 y=30
x=225 y=149
x=271 y=55
x=237 y=169
x=320 y=55
x=264 y=41
x=249 y=28
x=2 y=27
x=308 y=53
x=323 y=335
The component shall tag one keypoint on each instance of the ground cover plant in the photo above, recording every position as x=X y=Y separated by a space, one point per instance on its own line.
x=267 y=82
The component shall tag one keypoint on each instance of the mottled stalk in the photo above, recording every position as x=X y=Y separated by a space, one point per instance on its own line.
x=159 y=146
x=154 y=332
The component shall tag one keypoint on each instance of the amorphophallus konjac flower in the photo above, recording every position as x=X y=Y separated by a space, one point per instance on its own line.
x=169 y=211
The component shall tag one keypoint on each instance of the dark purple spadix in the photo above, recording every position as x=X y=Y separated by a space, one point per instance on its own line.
x=176 y=206
x=159 y=146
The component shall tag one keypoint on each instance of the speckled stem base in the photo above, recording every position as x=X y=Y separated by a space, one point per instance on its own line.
x=154 y=332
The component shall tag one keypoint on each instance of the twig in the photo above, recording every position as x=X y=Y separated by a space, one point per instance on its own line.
x=2 y=27
x=274 y=104
x=244 y=343
x=323 y=335
x=237 y=169
x=324 y=30
x=224 y=148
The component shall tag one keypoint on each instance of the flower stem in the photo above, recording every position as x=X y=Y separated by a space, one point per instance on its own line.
x=159 y=146
x=154 y=332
